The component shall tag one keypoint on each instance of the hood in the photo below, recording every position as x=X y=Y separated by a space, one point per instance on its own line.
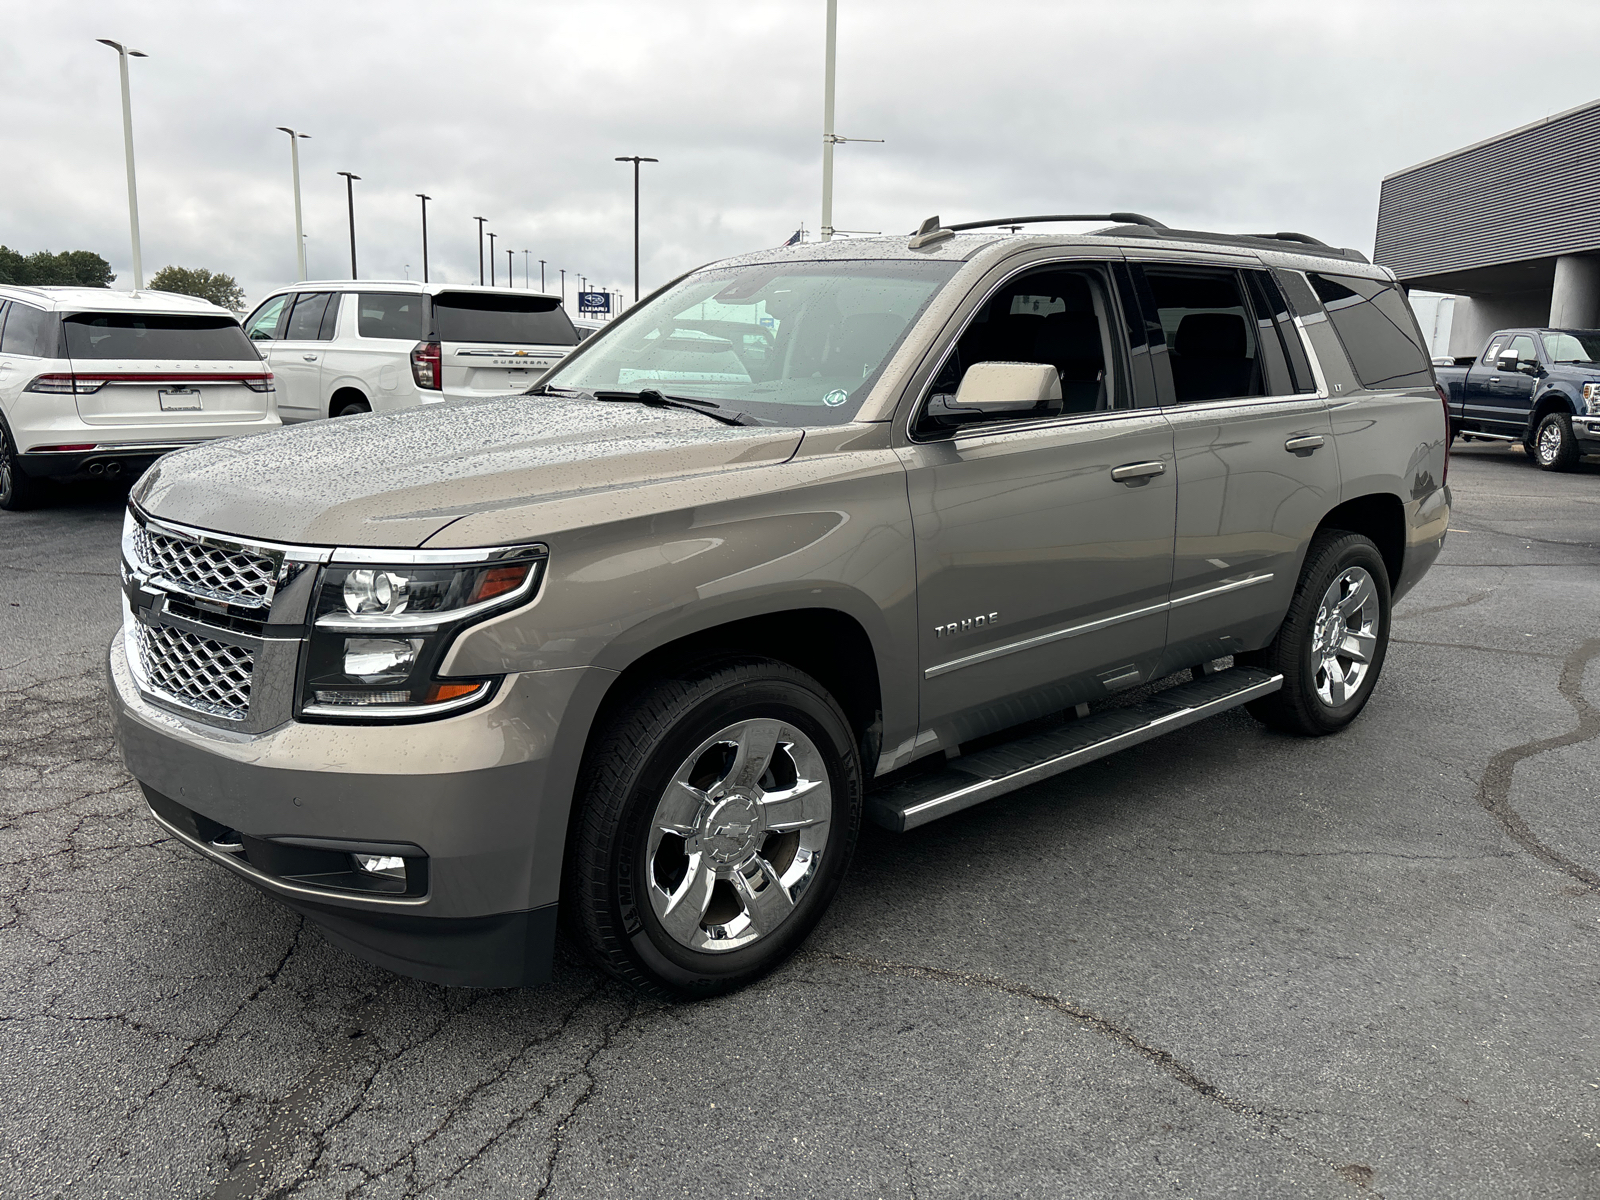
x=396 y=479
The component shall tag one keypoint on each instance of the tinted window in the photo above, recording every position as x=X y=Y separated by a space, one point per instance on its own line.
x=156 y=336
x=1271 y=305
x=1060 y=318
x=465 y=317
x=263 y=323
x=305 y=322
x=1211 y=333
x=387 y=315
x=1378 y=329
x=32 y=331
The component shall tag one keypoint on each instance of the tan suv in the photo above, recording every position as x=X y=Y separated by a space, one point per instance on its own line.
x=879 y=528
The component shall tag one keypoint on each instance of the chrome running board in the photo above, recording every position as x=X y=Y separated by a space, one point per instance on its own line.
x=974 y=778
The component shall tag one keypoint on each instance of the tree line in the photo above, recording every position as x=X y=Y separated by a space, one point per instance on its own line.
x=85 y=268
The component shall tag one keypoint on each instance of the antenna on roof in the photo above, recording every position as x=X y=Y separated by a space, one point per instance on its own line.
x=929 y=232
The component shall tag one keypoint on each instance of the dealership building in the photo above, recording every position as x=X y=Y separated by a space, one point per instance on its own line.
x=1509 y=225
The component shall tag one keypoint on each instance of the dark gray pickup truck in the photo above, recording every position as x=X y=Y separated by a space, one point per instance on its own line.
x=1540 y=387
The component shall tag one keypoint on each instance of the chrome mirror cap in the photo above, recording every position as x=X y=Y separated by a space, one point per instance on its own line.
x=1006 y=387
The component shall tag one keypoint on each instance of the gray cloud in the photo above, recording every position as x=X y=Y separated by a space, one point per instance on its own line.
x=1218 y=115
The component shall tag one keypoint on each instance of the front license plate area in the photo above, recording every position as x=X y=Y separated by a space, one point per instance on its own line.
x=179 y=399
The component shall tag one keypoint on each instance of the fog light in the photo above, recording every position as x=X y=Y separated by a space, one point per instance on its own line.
x=380 y=660
x=386 y=865
x=381 y=592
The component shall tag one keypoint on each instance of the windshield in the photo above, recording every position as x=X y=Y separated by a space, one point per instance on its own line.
x=157 y=336
x=1573 y=347
x=479 y=317
x=792 y=343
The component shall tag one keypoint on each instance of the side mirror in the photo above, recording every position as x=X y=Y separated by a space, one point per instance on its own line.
x=1506 y=362
x=999 y=389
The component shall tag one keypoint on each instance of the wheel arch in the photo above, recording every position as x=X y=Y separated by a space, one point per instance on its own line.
x=343 y=394
x=1380 y=517
x=1553 y=400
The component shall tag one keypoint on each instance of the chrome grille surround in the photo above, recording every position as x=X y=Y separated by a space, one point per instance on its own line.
x=196 y=672
x=209 y=568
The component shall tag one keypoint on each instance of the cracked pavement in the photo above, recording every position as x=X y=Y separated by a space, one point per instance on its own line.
x=1232 y=964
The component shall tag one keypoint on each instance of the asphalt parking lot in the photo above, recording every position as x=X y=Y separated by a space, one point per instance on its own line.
x=1231 y=963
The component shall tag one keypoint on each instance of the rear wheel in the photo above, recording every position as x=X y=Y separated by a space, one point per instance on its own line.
x=1331 y=645
x=717 y=816
x=1554 y=446
x=349 y=407
x=18 y=490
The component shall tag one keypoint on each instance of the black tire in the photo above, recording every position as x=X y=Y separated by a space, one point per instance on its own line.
x=1555 y=448
x=18 y=490
x=627 y=771
x=349 y=408
x=1299 y=706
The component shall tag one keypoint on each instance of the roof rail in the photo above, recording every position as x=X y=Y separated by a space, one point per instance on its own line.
x=1135 y=225
x=931 y=231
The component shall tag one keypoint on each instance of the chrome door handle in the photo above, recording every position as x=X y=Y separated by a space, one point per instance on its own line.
x=309 y=357
x=1134 y=474
x=1304 y=445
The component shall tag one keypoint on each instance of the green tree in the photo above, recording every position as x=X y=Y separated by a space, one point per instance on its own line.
x=81 y=268
x=216 y=287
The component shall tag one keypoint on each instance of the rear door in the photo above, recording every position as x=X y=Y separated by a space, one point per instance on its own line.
x=372 y=352
x=491 y=343
x=164 y=370
x=298 y=353
x=1256 y=468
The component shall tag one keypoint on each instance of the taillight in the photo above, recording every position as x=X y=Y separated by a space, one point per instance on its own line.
x=1444 y=399
x=65 y=385
x=426 y=367
x=258 y=383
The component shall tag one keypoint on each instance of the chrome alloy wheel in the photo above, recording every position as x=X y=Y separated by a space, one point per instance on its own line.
x=1549 y=444
x=1345 y=636
x=739 y=835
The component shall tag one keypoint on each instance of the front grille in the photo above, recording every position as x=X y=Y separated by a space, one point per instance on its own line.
x=235 y=576
x=210 y=676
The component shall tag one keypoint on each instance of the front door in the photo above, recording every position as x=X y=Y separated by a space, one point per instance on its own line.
x=298 y=353
x=1043 y=543
x=1511 y=394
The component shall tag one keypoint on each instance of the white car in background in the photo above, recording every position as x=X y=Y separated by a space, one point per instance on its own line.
x=99 y=384
x=351 y=346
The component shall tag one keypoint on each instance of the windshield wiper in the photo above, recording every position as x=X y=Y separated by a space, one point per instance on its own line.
x=657 y=399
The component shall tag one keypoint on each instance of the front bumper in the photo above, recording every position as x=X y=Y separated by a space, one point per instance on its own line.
x=1587 y=430
x=484 y=796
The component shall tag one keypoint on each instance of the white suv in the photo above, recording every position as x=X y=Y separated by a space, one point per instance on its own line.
x=351 y=346
x=101 y=384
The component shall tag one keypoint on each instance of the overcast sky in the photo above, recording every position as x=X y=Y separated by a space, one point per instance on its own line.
x=1217 y=115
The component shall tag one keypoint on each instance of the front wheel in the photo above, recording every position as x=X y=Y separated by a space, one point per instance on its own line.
x=1331 y=645
x=1554 y=446
x=717 y=815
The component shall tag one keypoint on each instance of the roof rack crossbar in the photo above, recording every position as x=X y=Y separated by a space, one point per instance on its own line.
x=1303 y=238
x=1121 y=218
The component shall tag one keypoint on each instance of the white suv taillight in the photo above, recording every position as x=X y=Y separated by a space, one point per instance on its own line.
x=259 y=383
x=426 y=367
x=65 y=385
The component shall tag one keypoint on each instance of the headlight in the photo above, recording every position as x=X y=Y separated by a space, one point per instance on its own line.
x=1591 y=397
x=380 y=630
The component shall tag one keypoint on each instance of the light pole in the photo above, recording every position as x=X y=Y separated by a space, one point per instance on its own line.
x=636 y=160
x=563 y=287
x=511 y=279
x=299 y=226
x=480 y=221
x=123 y=54
x=829 y=138
x=541 y=274
x=424 y=200
x=491 y=260
x=350 y=195
x=525 y=282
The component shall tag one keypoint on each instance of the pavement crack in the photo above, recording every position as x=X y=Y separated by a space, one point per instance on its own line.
x=1475 y=598
x=1494 y=792
x=1470 y=646
x=1267 y=1119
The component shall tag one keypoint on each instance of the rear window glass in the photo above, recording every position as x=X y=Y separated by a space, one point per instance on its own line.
x=1379 y=332
x=391 y=315
x=537 y=320
x=31 y=331
x=157 y=336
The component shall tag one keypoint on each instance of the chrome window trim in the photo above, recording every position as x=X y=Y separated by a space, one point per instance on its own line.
x=1056 y=635
x=1124 y=367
